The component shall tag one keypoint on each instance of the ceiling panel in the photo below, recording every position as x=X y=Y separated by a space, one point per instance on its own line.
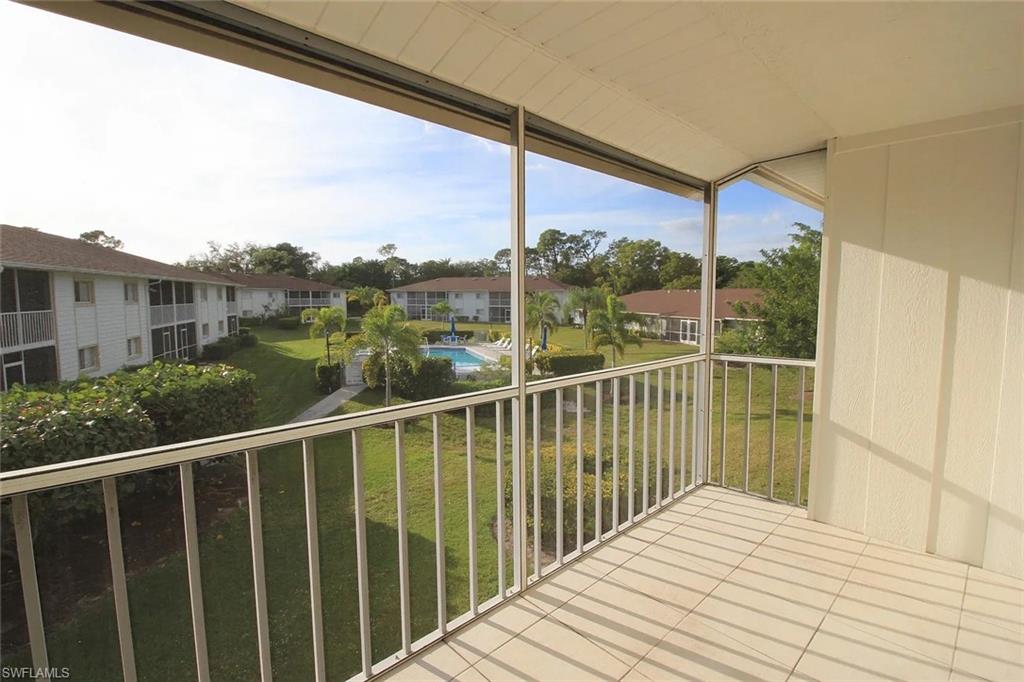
x=435 y=37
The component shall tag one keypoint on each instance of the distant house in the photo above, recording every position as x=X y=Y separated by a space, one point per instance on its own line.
x=674 y=314
x=474 y=299
x=268 y=295
x=69 y=308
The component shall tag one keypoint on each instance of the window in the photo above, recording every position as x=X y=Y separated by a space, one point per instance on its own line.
x=220 y=326
x=131 y=292
x=419 y=304
x=335 y=294
x=88 y=358
x=84 y=291
x=246 y=313
x=202 y=292
x=458 y=295
x=135 y=347
x=206 y=330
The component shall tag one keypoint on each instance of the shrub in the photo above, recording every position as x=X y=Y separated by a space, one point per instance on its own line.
x=495 y=335
x=568 y=362
x=250 y=322
x=435 y=335
x=248 y=341
x=287 y=322
x=328 y=374
x=244 y=331
x=222 y=348
x=435 y=377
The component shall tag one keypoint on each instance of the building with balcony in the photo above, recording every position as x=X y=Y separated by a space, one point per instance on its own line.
x=473 y=299
x=71 y=308
x=674 y=314
x=265 y=296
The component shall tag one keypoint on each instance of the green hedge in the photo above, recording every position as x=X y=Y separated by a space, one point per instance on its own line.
x=433 y=336
x=222 y=348
x=250 y=322
x=287 y=322
x=328 y=375
x=248 y=340
x=564 y=363
x=435 y=377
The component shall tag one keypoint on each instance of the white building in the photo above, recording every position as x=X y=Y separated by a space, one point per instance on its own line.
x=674 y=314
x=269 y=295
x=70 y=308
x=473 y=299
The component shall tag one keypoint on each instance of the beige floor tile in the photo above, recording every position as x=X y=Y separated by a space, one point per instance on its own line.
x=439 y=662
x=622 y=620
x=726 y=529
x=554 y=591
x=741 y=522
x=494 y=629
x=798 y=513
x=649 y=530
x=753 y=508
x=659 y=574
x=694 y=542
x=694 y=650
x=471 y=674
x=627 y=543
x=911 y=573
x=996 y=598
x=841 y=652
x=989 y=651
x=549 y=650
x=707 y=492
x=773 y=625
x=789 y=576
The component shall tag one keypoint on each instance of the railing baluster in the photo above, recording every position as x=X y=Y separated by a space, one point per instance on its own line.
x=559 y=493
x=725 y=420
x=658 y=441
x=798 y=476
x=645 y=493
x=442 y=581
x=365 y=649
x=313 y=549
x=771 y=438
x=746 y=431
x=499 y=475
x=29 y=581
x=119 y=585
x=403 y=537
x=598 y=472
x=630 y=501
x=195 y=581
x=259 y=579
x=536 y=485
x=682 y=429
x=671 y=432
x=579 y=468
x=694 y=423
x=616 y=391
x=471 y=495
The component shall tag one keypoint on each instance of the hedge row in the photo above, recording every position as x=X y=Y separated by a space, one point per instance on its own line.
x=564 y=363
x=433 y=378
x=225 y=346
x=436 y=335
x=328 y=374
x=287 y=322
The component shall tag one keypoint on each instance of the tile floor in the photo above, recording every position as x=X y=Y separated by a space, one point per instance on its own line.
x=726 y=586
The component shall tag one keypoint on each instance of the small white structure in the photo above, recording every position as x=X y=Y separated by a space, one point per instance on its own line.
x=70 y=308
x=268 y=295
x=473 y=299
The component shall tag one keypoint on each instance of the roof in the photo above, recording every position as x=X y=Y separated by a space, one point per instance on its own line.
x=288 y=282
x=686 y=302
x=25 y=246
x=482 y=284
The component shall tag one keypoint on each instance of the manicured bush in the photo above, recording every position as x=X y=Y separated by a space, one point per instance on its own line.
x=248 y=340
x=435 y=377
x=433 y=336
x=250 y=322
x=221 y=348
x=494 y=335
x=565 y=363
x=328 y=374
x=287 y=322
x=244 y=331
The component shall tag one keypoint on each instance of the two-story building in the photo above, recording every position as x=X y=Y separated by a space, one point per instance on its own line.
x=473 y=299
x=269 y=295
x=674 y=314
x=70 y=308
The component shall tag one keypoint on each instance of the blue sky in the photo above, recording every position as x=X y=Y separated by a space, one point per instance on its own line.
x=168 y=149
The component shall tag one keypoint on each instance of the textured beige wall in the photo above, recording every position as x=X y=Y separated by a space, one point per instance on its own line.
x=919 y=402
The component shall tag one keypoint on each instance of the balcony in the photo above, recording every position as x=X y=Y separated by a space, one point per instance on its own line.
x=27 y=329
x=232 y=307
x=171 y=313
x=315 y=302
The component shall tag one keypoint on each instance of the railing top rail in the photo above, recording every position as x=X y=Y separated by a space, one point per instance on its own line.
x=610 y=373
x=753 y=359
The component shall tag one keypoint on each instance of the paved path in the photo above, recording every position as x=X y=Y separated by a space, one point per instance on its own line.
x=330 y=403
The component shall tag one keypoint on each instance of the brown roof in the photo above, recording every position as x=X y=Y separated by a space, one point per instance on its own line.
x=277 y=282
x=482 y=284
x=686 y=302
x=28 y=247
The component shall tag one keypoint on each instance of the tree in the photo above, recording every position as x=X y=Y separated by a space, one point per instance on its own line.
x=541 y=312
x=503 y=260
x=101 y=238
x=366 y=297
x=232 y=257
x=325 y=321
x=389 y=337
x=611 y=326
x=585 y=301
x=284 y=259
x=729 y=271
x=443 y=308
x=395 y=267
x=788 y=311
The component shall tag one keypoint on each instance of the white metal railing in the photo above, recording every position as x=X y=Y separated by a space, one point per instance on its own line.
x=656 y=413
x=184 y=311
x=161 y=315
x=308 y=302
x=26 y=328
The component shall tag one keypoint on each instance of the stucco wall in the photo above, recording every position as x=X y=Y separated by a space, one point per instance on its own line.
x=919 y=395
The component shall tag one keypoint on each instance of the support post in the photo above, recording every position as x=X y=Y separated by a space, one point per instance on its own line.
x=518 y=296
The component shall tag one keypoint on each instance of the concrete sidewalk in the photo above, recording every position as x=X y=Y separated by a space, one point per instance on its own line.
x=329 y=403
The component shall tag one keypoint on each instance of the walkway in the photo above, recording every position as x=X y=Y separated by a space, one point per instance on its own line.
x=330 y=403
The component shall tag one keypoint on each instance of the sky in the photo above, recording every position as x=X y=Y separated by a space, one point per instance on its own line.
x=167 y=150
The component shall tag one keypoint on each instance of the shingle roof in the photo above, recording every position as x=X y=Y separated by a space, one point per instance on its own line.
x=277 y=282
x=686 y=302
x=482 y=284
x=31 y=248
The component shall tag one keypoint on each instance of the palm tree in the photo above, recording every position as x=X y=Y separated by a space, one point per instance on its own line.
x=387 y=334
x=610 y=326
x=442 y=308
x=325 y=321
x=541 y=311
x=585 y=300
x=366 y=297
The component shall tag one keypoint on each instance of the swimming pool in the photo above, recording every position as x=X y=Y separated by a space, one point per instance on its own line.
x=461 y=358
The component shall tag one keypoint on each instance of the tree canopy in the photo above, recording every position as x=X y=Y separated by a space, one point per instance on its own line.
x=102 y=239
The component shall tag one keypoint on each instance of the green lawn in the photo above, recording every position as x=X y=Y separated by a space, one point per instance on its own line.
x=282 y=362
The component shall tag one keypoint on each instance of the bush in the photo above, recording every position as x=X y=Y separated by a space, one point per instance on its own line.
x=435 y=377
x=248 y=341
x=435 y=335
x=250 y=322
x=287 y=322
x=222 y=348
x=494 y=335
x=244 y=331
x=328 y=375
x=565 y=363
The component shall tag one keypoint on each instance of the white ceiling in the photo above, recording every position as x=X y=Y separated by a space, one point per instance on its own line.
x=704 y=88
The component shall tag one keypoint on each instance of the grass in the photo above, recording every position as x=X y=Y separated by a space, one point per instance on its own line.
x=282 y=362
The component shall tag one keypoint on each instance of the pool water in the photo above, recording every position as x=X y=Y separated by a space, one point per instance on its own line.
x=460 y=357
